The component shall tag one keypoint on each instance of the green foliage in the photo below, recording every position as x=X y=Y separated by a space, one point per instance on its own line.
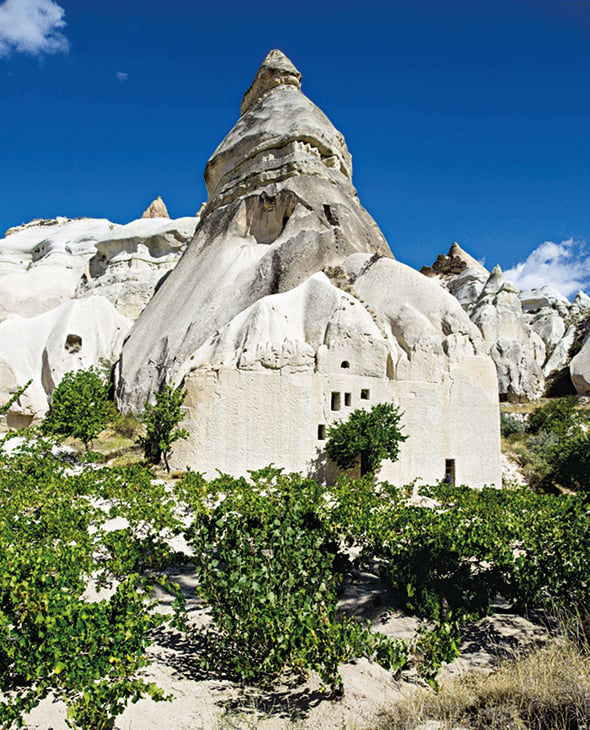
x=533 y=549
x=560 y=416
x=161 y=421
x=373 y=435
x=510 y=426
x=268 y=567
x=79 y=407
x=14 y=397
x=53 y=640
x=559 y=447
x=269 y=555
x=569 y=462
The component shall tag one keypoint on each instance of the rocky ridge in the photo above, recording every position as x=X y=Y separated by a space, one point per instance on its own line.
x=533 y=335
x=69 y=291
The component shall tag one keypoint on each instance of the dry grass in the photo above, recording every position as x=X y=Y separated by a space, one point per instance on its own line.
x=547 y=690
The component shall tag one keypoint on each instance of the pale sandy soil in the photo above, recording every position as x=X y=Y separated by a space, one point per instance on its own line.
x=204 y=703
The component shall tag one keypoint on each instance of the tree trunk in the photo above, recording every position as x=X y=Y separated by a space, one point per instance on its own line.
x=365 y=463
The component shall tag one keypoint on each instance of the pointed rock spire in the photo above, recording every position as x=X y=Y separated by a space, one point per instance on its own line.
x=156 y=209
x=276 y=70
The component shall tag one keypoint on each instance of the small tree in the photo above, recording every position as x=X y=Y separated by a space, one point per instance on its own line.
x=79 y=407
x=160 y=422
x=372 y=435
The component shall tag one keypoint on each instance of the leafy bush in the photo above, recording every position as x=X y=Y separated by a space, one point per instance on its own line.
x=161 y=421
x=51 y=639
x=510 y=426
x=268 y=567
x=79 y=407
x=533 y=549
x=569 y=462
x=560 y=416
x=373 y=435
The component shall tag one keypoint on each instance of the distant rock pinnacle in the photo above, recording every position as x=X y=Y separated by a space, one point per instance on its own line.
x=156 y=209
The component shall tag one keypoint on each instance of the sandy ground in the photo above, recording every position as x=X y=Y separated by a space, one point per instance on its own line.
x=205 y=703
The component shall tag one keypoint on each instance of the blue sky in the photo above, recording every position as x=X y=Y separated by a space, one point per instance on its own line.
x=467 y=121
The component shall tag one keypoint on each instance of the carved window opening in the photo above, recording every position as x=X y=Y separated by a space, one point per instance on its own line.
x=321 y=432
x=450 y=472
x=335 y=401
x=345 y=364
x=73 y=343
x=331 y=215
x=347 y=399
x=365 y=394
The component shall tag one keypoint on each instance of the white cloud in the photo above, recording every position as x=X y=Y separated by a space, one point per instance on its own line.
x=122 y=75
x=32 y=26
x=563 y=266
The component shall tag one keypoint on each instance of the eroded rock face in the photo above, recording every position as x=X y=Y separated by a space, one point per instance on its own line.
x=76 y=334
x=287 y=310
x=281 y=207
x=41 y=263
x=498 y=315
x=45 y=267
x=130 y=261
x=531 y=340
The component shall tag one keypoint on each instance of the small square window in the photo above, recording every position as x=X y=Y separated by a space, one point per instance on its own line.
x=335 y=401
x=321 y=432
x=347 y=399
x=365 y=394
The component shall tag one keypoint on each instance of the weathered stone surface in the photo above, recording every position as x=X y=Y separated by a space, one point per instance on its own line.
x=74 y=335
x=131 y=260
x=460 y=274
x=580 y=308
x=46 y=263
x=560 y=354
x=580 y=370
x=549 y=325
x=281 y=134
x=281 y=207
x=543 y=298
x=156 y=209
x=498 y=314
x=41 y=263
x=287 y=310
x=545 y=319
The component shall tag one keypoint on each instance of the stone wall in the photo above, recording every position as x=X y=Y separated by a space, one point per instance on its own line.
x=240 y=420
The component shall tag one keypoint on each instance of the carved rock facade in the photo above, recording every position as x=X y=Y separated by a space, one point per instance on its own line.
x=287 y=311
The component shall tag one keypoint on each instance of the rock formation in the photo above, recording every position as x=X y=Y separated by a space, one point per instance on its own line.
x=51 y=272
x=531 y=333
x=517 y=355
x=281 y=207
x=41 y=263
x=129 y=262
x=74 y=335
x=287 y=310
x=156 y=209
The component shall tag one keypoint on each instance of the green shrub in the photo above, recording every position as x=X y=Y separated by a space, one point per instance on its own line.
x=510 y=426
x=52 y=641
x=560 y=416
x=268 y=567
x=79 y=407
x=569 y=462
x=161 y=421
x=371 y=435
